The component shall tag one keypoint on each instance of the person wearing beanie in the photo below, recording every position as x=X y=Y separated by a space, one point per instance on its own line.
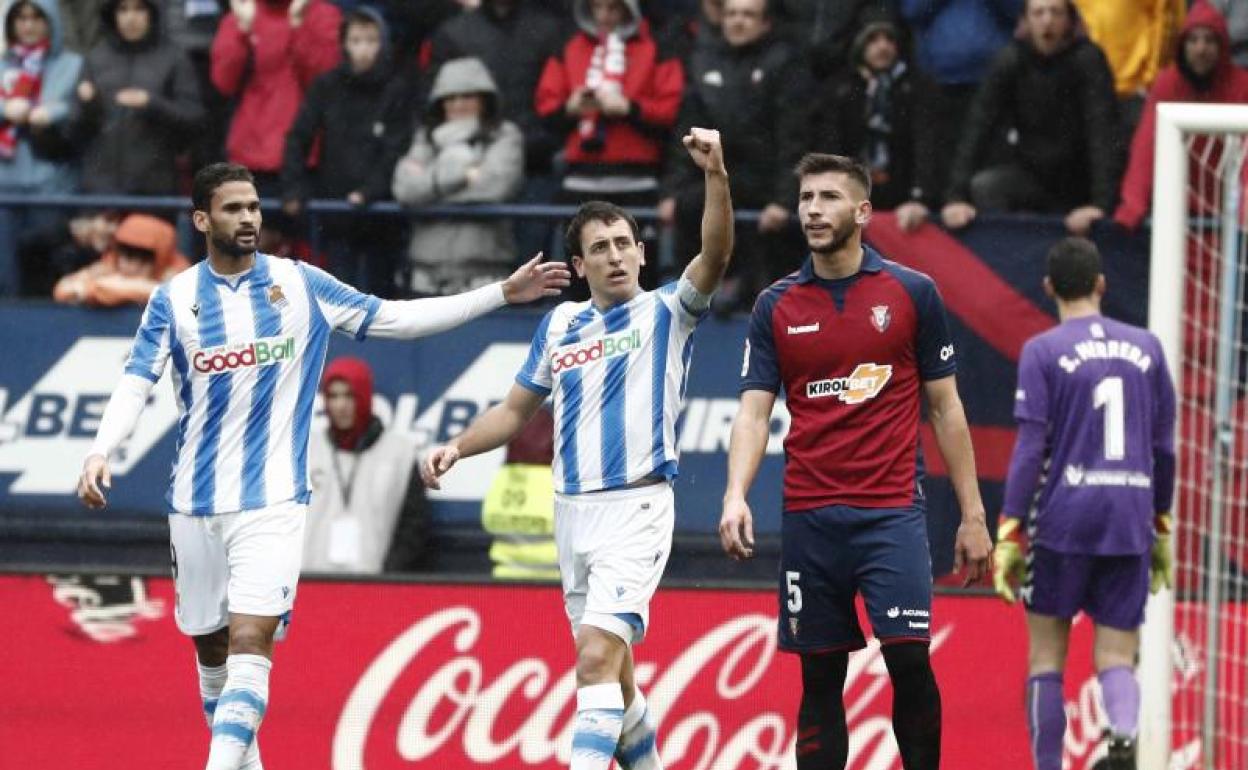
x=368 y=512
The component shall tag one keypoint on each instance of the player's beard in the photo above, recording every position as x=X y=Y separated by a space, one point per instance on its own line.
x=231 y=247
x=841 y=233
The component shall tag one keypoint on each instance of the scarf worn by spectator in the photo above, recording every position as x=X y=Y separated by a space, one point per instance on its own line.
x=606 y=70
x=879 y=121
x=23 y=78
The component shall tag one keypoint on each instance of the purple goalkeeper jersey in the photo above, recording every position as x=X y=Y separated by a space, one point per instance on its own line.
x=1095 y=406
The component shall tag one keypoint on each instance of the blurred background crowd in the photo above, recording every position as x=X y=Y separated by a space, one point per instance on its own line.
x=956 y=106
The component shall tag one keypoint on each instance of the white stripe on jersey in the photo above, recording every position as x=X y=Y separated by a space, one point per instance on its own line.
x=618 y=380
x=247 y=360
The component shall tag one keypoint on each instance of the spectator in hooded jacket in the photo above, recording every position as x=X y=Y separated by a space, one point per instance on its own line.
x=265 y=56
x=880 y=110
x=368 y=512
x=465 y=153
x=513 y=38
x=954 y=44
x=1052 y=93
x=143 y=255
x=615 y=100
x=1202 y=72
x=747 y=86
x=137 y=91
x=358 y=113
x=37 y=78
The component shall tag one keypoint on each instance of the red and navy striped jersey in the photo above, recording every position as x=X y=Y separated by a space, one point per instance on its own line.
x=850 y=354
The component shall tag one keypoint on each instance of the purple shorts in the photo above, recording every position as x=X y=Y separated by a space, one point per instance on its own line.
x=1112 y=590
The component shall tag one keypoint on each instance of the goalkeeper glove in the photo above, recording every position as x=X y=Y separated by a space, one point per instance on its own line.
x=1161 y=569
x=1007 y=558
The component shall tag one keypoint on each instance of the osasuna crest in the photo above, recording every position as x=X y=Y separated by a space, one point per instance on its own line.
x=881 y=317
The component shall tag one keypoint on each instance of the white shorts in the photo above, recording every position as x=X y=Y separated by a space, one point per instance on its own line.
x=612 y=548
x=246 y=562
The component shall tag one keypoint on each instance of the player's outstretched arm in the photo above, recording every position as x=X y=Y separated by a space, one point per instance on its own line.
x=750 y=432
x=498 y=425
x=707 y=269
x=973 y=547
x=120 y=417
x=409 y=319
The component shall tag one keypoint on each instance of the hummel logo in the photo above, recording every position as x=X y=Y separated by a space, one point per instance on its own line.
x=619 y=591
x=807 y=329
x=893 y=612
x=195 y=310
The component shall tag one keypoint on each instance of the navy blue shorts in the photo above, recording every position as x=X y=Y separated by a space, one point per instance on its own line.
x=1112 y=590
x=830 y=554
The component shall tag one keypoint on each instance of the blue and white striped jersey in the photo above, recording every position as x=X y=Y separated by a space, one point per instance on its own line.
x=618 y=379
x=247 y=360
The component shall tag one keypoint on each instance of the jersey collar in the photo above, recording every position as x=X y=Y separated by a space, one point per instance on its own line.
x=257 y=273
x=872 y=262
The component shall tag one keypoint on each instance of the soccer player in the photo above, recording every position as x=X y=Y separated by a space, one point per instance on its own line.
x=1095 y=405
x=616 y=365
x=854 y=340
x=247 y=333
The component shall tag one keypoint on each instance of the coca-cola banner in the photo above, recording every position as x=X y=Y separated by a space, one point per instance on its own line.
x=397 y=676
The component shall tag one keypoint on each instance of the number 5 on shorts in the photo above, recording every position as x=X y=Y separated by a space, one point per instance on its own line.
x=794 y=590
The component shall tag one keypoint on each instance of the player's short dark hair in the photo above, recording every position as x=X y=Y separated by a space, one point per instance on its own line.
x=595 y=211
x=1074 y=264
x=821 y=163
x=211 y=177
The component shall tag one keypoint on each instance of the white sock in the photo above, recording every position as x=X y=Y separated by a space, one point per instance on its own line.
x=599 y=720
x=211 y=683
x=638 y=749
x=239 y=709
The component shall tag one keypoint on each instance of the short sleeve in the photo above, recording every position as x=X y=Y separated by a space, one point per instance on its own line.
x=759 y=369
x=685 y=301
x=154 y=339
x=1031 y=399
x=935 y=351
x=535 y=373
x=344 y=308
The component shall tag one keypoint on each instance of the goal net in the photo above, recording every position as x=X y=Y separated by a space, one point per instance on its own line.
x=1194 y=660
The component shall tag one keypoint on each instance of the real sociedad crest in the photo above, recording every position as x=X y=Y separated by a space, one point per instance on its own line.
x=881 y=317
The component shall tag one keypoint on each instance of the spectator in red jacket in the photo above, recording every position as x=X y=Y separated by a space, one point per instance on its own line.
x=1202 y=72
x=265 y=55
x=615 y=100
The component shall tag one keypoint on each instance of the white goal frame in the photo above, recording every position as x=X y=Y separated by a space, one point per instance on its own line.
x=1165 y=319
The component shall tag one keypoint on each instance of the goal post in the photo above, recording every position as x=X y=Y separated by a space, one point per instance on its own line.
x=1196 y=635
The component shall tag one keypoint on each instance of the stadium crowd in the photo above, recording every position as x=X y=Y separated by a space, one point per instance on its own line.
x=956 y=106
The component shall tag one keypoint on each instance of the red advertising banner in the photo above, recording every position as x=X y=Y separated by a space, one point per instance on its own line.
x=398 y=676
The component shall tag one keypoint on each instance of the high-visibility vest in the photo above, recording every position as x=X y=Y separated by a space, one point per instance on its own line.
x=519 y=510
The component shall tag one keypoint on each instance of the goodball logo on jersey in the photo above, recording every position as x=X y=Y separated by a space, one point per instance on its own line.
x=585 y=353
x=242 y=355
x=862 y=384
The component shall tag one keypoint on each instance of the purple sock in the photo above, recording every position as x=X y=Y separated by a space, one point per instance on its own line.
x=1046 y=719
x=1121 y=693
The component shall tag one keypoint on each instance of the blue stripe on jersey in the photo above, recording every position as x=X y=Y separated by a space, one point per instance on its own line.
x=374 y=305
x=211 y=334
x=268 y=323
x=572 y=392
x=309 y=377
x=147 y=342
x=181 y=376
x=658 y=383
x=537 y=351
x=614 y=407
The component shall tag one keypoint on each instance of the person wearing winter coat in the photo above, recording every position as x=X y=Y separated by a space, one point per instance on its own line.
x=464 y=153
x=265 y=55
x=513 y=38
x=137 y=91
x=1052 y=93
x=143 y=254
x=615 y=100
x=1202 y=72
x=368 y=512
x=879 y=110
x=358 y=114
x=37 y=79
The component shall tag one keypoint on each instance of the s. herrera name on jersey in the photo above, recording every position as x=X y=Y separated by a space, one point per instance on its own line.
x=862 y=384
x=241 y=355
x=600 y=349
